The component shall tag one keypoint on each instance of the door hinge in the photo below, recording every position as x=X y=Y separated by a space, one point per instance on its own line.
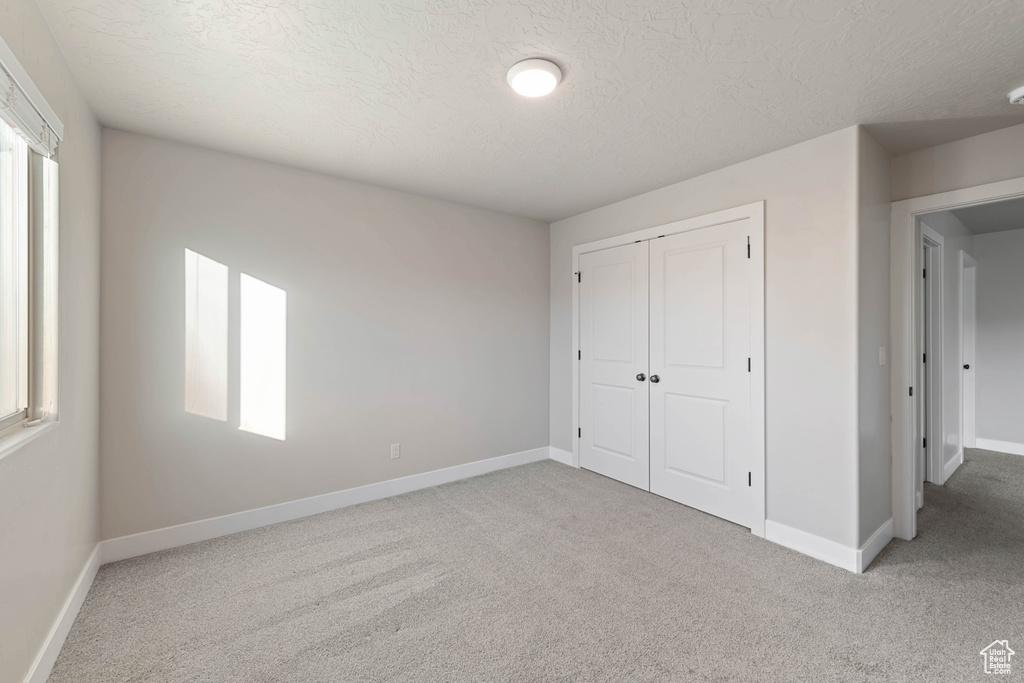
x=924 y=357
x=578 y=277
x=748 y=365
x=911 y=391
x=924 y=272
x=748 y=246
x=748 y=479
x=924 y=443
x=579 y=432
x=579 y=355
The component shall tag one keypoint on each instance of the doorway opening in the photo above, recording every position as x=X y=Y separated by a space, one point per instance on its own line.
x=930 y=352
x=957 y=312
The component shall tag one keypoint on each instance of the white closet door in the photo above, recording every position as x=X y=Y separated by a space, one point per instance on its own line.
x=700 y=378
x=613 y=351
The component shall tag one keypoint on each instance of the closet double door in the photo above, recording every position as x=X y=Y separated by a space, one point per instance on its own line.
x=665 y=383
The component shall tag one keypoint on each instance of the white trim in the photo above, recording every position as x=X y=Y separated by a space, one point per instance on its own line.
x=904 y=337
x=855 y=560
x=47 y=657
x=1000 y=446
x=753 y=212
x=146 y=542
x=950 y=467
x=934 y=345
x=874 y=545
x=817 y=547
x=24 y=436
x=559 y=455
x=21 y=78
x=24 y=107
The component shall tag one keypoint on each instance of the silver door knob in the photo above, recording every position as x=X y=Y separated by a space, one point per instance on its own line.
x=655 y=379
x=641 y=377
x=967 y=367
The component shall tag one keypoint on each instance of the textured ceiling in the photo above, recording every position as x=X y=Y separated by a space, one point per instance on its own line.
x=412 y=94
x=994 y=217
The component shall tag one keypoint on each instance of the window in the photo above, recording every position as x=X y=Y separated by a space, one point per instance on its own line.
x=14 y=277
x=29 y=132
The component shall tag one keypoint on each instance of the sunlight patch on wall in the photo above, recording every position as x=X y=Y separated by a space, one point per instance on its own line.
x=206 y=337
x=264 y=312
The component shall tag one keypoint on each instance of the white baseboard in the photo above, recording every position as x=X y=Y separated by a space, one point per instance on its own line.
x=564 y=457
x=1001 y=446
x=950 y=467
x=817 y=547
x=845 y=557
x=874 y=545
x=47 y=657
x=146 y=542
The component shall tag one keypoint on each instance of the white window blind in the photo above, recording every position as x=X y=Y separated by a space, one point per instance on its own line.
x=14 y=275
x=22 y=106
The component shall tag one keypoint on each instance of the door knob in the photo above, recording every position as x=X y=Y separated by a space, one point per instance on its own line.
x=641 y=377
x=655 y=379
x=967 y=367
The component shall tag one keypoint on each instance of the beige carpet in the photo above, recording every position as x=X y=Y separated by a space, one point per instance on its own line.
x=545 y=573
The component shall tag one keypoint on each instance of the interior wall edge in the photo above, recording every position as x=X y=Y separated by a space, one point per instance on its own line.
x=873 y=211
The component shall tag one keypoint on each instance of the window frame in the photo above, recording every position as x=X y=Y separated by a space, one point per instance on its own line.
x=39 y=361
x=28 y=116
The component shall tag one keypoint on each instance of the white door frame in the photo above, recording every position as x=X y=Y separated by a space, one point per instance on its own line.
x=755 y=214
x=931 y=348
x=903 y=334
x=967 y=262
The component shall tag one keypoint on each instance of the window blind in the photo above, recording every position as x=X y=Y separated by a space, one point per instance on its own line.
x=22 y=106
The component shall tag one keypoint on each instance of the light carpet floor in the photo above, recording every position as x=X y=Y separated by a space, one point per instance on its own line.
x=546 y=573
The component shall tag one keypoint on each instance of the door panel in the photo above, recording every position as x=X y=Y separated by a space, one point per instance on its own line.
x=695 y=323
x=614 y=405
x=700 y=346
x=695 y=437
x=612 y=428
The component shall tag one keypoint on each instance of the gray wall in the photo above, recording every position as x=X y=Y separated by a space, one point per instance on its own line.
x=811 y=312
x=955 y=237
x=873 y=217
x=977 y=160
x=409 y=320
x=1000 y=352
x=48 y=488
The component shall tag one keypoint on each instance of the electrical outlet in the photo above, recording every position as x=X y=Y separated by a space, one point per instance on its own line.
x=396 y=451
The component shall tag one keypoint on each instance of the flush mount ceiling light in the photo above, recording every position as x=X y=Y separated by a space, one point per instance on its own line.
x=1016 y=96
x=534 y=77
